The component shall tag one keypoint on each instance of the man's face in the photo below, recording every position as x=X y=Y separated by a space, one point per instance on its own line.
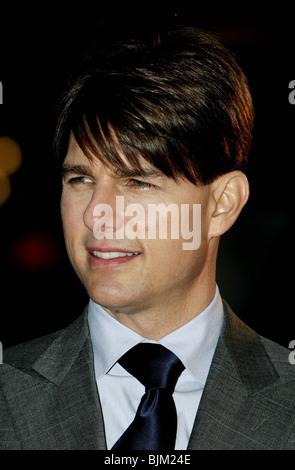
x=129 y=275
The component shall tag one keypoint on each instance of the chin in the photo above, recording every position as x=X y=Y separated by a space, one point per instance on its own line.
x=115 y=294
x=111 y=299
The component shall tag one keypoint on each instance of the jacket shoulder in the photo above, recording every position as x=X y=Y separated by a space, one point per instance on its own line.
x=280 y=358
x=253 y=351
x=23 y=355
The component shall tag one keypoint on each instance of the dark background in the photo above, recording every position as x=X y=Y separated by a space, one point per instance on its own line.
x=38 y=48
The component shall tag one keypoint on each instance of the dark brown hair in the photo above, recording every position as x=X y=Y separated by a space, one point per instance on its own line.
x=179 y=101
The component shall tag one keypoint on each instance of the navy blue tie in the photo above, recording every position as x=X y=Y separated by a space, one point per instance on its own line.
x=154 y=425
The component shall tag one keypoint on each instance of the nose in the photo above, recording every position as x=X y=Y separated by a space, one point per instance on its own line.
x=104 y=214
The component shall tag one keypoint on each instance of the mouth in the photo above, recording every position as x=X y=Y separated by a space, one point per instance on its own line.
x=112 y=254
x=109 y=258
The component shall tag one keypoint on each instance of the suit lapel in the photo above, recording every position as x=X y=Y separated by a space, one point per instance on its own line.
x=62 y=405
x=238 y=409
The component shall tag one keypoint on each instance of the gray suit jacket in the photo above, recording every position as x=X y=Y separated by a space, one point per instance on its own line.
x=49 y=400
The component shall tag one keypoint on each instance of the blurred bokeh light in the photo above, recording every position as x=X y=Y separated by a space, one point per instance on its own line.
x=35 y=251
x=10 y=161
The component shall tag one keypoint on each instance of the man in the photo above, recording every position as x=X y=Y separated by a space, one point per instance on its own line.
x=151 y=130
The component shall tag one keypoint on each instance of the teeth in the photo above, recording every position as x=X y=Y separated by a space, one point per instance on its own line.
x=111 y=254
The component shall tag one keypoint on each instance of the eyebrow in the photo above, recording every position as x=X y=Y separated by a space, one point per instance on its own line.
x=138 y=172
x=68 y=169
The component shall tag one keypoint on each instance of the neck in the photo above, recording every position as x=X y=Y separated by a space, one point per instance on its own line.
x=158 y=321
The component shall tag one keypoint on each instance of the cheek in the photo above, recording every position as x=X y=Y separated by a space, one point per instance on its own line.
x=65 y=211
x=169 y=266
x=72 y=218
x=165 y=257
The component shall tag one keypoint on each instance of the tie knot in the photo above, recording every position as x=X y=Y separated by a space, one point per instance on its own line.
x=153 y=365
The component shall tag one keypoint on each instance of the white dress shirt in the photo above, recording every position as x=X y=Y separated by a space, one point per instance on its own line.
x=120 y=393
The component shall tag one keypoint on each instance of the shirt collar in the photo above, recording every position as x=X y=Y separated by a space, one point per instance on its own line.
x=194 y=343
x=110 y=338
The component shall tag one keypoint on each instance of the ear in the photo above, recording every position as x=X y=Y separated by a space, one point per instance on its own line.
x=229 y=194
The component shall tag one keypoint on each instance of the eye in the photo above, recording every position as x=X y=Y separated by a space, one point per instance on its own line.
x=78 y=180
x=141 y=184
